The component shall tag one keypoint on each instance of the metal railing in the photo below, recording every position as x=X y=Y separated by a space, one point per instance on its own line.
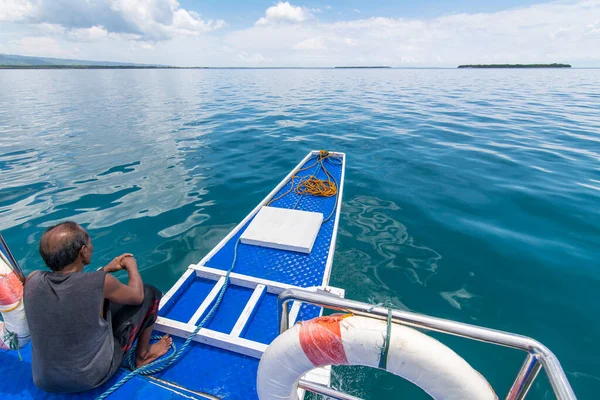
x=10 y=259
x=538 y=355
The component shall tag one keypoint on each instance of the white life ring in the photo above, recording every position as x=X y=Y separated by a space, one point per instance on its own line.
x=353 y=340
x=12 y=310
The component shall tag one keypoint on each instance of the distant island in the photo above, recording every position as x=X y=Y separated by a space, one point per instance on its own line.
x=554 y=65
x=11 y=61
x=374 y=66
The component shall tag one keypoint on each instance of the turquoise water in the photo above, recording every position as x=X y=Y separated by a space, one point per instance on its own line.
x=470 y=195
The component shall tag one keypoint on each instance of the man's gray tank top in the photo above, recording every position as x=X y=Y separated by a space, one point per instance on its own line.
x=72 y=344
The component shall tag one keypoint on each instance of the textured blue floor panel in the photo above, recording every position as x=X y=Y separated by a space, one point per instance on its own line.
x=233 y=304
x=308 y=311
x=279 y=265
x=17 y=383
x=190 y=299
x=263 y=326
x=218 y=372
x=167 y=307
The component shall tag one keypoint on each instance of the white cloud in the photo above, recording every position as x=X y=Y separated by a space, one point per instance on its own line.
x=192 y=22
x=15 y=10
x=88 y=34
x=162 y=19
x=550 y=32
x=143 y=45
x=560 y=33
x=593 y=28
x=42 y=47
x=292 y=35
x=147 y=19
x=51 y=29
x=317 y=43
x=254 y=58
x=98 y=33
x=93 y=34
x=285 y=12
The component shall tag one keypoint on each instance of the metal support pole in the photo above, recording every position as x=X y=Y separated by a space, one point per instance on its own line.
x=531 y=367
x=12 y=260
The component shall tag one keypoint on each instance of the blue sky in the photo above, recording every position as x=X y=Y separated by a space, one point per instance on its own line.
x=428 y=33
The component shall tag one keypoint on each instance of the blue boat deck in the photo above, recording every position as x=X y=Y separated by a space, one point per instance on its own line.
x=222 y=360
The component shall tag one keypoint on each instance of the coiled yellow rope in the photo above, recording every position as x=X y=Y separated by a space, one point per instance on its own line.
x=313 y=185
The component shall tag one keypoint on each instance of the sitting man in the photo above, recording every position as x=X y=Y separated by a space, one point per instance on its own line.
x=82 y=323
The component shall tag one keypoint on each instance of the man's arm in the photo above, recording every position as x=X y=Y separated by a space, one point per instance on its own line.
x=133 y=292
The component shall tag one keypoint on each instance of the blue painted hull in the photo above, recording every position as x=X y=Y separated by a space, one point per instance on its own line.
x=205 y=367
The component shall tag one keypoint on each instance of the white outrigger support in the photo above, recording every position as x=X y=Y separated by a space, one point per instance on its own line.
x=232 y=341
x=320 y=377
x=538 y=355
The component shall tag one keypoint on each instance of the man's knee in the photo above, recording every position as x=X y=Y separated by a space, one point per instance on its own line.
x=151 y=293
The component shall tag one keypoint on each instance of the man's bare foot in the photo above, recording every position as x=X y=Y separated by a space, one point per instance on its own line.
x=155 y=350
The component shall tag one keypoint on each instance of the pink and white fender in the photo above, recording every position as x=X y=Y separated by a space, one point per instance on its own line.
x=14 y=332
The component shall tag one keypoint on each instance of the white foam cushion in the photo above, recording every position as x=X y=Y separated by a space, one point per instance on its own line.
x=284 y=229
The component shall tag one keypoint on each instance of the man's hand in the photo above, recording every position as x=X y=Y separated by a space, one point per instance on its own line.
x=129 y=263
x=117 y=263
x=133 y=292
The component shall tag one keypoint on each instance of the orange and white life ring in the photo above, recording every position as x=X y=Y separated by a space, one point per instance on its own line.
x=14 y=332
x=353 y=340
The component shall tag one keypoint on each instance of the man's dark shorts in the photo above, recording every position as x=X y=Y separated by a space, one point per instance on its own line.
x=129 y=321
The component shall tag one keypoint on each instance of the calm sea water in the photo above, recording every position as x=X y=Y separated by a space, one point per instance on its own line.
x=470 y=195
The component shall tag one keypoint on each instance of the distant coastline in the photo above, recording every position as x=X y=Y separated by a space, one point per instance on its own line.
x=92 y=67
x=364 y=67
x=553 y=65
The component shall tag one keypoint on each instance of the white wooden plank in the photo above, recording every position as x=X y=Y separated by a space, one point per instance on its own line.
x=244 y=318
x=208 y=301
x=175 y=287
x=241 y=280
x=293 y=316
x=339 y=292
x=212 y=338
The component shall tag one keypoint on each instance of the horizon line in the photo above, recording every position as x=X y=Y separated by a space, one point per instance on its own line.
x=147 y=66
